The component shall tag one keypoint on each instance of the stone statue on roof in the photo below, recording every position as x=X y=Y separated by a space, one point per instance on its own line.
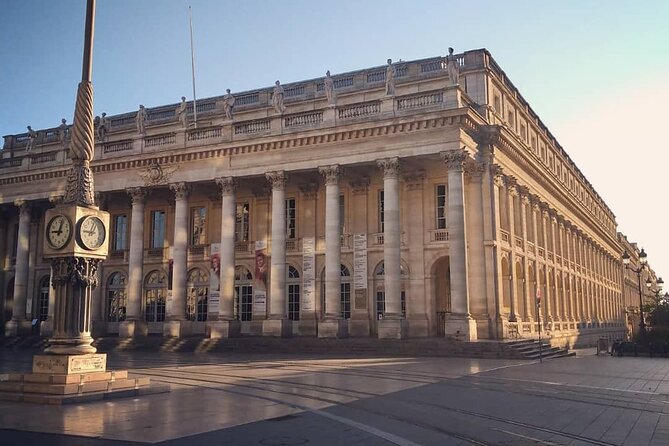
x=228 y=104
x=328 y=83
x=453 y=67
x=63 y=131
x=140 y=120
x=277 y=98
x=390 y=78
x=182 y=112
x=32 y=136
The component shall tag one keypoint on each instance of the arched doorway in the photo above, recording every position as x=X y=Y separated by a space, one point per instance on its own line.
x=380 y=291
x=441 y=284
x=197 y=293
x=43 y=299
x=155 y=292
x=243 y=294
x=344 y=293
x=117 y=298
x=293 y=292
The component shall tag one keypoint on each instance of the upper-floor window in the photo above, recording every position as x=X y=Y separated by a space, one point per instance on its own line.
x=16 y=240
x=157 y=229
x=381 y=211
x=242 y=223
x=291 y=218
x=523 y=132
x=440 y=194
x=198 y=225
x=119 y=242
x=510 y=118
x=497 y=104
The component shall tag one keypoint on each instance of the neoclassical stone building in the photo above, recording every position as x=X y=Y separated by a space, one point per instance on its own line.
x=422 y=198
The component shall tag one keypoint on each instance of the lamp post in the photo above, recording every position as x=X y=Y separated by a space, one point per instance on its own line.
x=643 y=261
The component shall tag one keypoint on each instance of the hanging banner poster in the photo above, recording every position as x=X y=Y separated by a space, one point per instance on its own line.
x=170 y=274
x=360 y=261
x=260 y=283
x=308 y=274
x=213 y=300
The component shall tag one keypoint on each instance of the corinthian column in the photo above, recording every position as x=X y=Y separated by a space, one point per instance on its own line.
x=333 y=325
x=278 y=323
x=223 y=324
x=459 y=322
x=134 y=325
x=176 y=312
x=393 y=325
x=18 y=324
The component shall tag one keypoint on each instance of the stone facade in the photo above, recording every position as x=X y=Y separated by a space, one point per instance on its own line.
x=442 y=209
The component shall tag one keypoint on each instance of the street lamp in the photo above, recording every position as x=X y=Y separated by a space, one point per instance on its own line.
x=643 y=261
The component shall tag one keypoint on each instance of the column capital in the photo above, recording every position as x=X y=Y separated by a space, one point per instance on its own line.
x=331 y=174
x=512 y=190
x=454 y=159
x=391 y=167
x=137 y=194
x=524 y=193
x=488 y=134
x=180 y=190
x=474 y=169
x=535 y=201
x=228 y=185
x=23 y=205
x=56 y=199
x=277 y=179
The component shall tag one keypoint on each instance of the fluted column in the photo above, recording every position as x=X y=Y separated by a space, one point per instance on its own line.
x=527 y=293
x=176 y=310
x=391 y=247
x=460 y=323
x=512 y=193
x=134 y=324
x=18 y=324
x=331 y=326
x=546 y=301
x=537 y=282
x=226 y=309
x=277 y=324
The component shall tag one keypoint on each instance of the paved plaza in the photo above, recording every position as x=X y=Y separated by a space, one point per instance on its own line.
x=297 y=400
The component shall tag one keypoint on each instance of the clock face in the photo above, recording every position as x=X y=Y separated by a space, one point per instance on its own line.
x=92 y=232
x=58 y=231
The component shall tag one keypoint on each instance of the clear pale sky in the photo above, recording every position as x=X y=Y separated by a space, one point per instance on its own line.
x=596 y=72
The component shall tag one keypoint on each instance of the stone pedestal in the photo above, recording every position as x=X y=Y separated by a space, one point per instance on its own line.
x=358 y=327
x=222 y=329
x=62 y=379
x=130 y=329
x=278 y=328
x=418 y=328
x=308 y=327
x=389 y=328
x=333 y=328
x=176 y=329
x=18 y=328
x=462 y=328
x=46 y=328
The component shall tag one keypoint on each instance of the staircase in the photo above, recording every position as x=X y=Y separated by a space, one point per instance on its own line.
x=534 y=349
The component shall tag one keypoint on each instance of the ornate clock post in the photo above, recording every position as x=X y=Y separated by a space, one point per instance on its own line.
x=76 y=241
x=76 y=234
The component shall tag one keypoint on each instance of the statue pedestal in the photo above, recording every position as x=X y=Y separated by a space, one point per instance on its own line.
x=222 y=329
x=333 y=328
x=277 y=328
x=392 y=328
x=63 y=379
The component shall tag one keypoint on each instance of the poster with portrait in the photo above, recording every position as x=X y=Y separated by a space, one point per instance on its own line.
x=214 y=298
x=170 y=274
x=261 y=264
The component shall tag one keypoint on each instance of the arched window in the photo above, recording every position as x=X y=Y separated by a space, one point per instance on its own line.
x=379 y=286
x=117 y=298
x=243 y=294
x=155 y=291
x=43 y=303
x=293 y=285
x=344 y=293
x=197 y=292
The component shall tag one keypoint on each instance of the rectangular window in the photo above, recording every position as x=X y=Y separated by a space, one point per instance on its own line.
x=345 y=296
x=291 y=218
x=244 y=302
x=16 y=240
x=157 y=229
x=294 y=302
x=119 y=243
x=381 y=211
x=497 y=104
x=441 y=206
x=242 y=223
x=198 y=226
x=342 y=215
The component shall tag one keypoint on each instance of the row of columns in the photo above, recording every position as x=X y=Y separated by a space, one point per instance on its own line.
x=596 y=282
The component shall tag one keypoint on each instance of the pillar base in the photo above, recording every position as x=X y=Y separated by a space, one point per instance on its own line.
x=391 y=328
x=278 y=328
x=18 y=328
x=307 y=327
x=460 y=327
x=223 y=329
x=358 y=328
x=71 y=346
x=333 y=328
x=176 y=329
x=46 y=328
x=130 y=329
x=419 y=328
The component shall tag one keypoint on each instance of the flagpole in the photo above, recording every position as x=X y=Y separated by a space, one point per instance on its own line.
x=192 y=63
